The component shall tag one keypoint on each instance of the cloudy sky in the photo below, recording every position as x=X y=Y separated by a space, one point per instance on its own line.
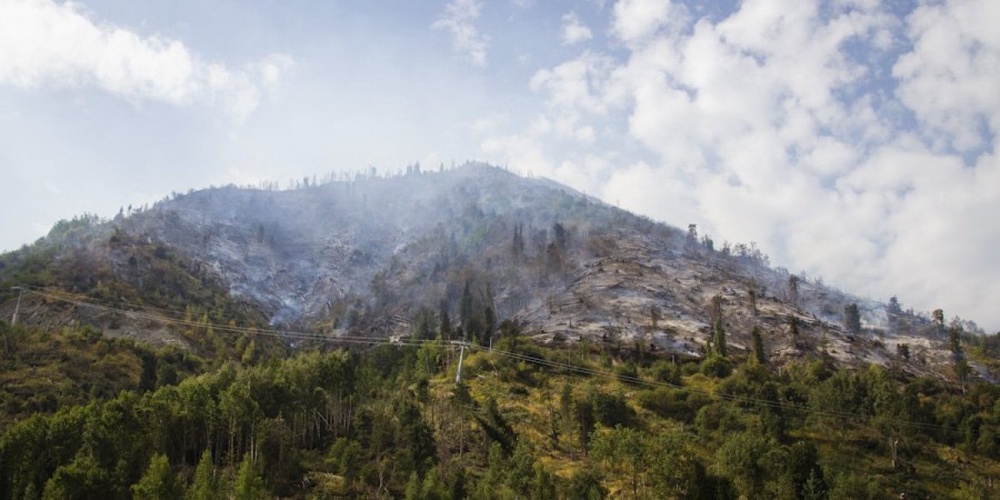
x=851 y=139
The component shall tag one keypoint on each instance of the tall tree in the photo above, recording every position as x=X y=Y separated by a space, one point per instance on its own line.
x=585 y=421
x=793 y=290
x=248 y=485
x=852 y=318
x=938 y=316
x=158 y=482
x=517 y=246
x=624 y=452
x=444 y=326
x=719 y=338
x=752 y=294
x=758 y=346
x=204 y=486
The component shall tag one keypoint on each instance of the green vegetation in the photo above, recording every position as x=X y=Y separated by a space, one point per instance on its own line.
x=227 y=411
x=524 y=423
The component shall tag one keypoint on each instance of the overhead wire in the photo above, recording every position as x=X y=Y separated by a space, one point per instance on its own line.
x=412 y=342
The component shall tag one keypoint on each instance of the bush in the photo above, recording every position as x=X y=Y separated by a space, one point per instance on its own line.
x=666 y=372
x=676 y=404
x=612 y=410
x=716 y=366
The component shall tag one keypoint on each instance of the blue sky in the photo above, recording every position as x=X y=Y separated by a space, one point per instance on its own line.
x=851 y=139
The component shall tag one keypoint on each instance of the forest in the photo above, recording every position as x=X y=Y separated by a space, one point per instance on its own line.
x=608 y=357
x=85 y=416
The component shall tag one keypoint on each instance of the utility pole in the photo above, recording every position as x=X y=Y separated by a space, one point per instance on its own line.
x=461 y=356
x=20 y=292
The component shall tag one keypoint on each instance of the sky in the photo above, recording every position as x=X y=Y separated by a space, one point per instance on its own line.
x=852 y=140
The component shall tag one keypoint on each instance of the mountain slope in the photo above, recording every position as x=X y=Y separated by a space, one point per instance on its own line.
x=373 y=255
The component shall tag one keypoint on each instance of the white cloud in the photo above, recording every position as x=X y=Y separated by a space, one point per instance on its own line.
x=780 y=123
x=459 y=19
x=950 y=77
x=574 y=31
x=48 y=44
x=636 y=20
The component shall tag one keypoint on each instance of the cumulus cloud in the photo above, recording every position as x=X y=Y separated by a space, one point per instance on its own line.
x=849 y=142
x=459 y=19
x=950 y=77
x=634 y=21
x=56 y=45
x=574 y=31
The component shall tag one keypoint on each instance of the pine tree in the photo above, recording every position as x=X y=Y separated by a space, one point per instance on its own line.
x=444 y=327
x=758 y=346
x=852 y=318
x=719 y=338
x=249 y=485
x=793 y=290
x=204 y=487
x=158 y=482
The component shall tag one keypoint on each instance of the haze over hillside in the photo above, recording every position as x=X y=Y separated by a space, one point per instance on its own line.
x=853 y=140
x=372 y=255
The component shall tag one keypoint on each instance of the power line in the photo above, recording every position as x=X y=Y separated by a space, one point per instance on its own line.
x=412 y=342
x=284 y=334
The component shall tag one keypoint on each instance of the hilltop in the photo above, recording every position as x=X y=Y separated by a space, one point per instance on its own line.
x=371 y=254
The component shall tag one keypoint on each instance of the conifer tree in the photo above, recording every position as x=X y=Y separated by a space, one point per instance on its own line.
x=204 y=487
x=249 y=485
x=158 y=482
x=758 y=346
x=719 y=338
x=793 y=290
x=852 y=318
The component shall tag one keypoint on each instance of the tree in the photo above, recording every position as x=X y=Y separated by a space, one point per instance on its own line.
x=903 y=350
x=466 y=307
x=520 y=469
x=719 y=338
x=793 y=290
x=585 y=421
x=81 y=478
x=517 y=246
x=624 y=453
x=561 y=237
x=955 y=340
x=962 y=371
x=416 y=446
x=894 y=307
x=543 y=487
x=249 y=485
x=496 y=427
x=158 y=482
x=852 y=318
x=715 y=310
x=489 y=318
x=741 y=458
x=444 y=326
x=672 y=471
x=938 y=316
x=204 y=486
x=758 y=346
x=707 y=242
x=585 y=484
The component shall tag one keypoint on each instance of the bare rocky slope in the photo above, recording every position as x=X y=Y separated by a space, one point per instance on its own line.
x=372 y=255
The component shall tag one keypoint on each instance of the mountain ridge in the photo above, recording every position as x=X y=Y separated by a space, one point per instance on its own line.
x=343 y=256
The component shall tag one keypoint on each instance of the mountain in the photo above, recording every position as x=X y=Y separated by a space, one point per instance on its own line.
x=523 y=340
x=375 y=256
